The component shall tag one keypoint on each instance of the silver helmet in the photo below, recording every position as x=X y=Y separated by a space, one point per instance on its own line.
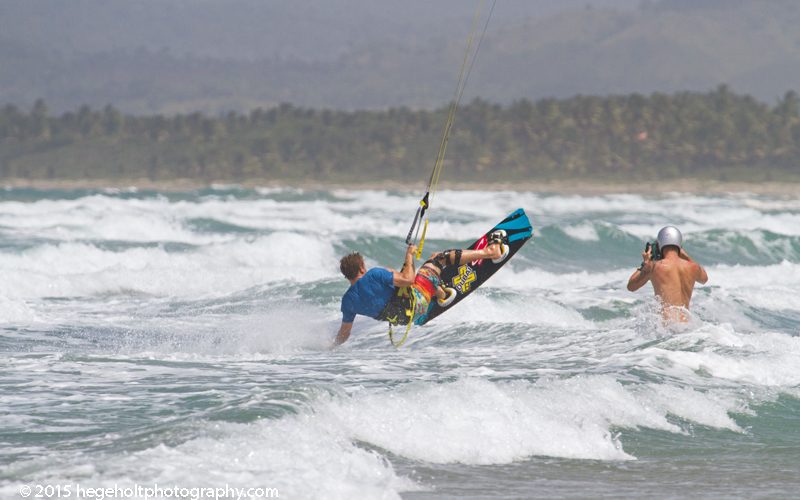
x=669 y=236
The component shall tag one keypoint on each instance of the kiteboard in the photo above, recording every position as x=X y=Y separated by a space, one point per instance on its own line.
x=466 y=278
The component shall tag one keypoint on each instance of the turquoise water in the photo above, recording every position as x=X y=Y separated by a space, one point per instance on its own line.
x=181 y=339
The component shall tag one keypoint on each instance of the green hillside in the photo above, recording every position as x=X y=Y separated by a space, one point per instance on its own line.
x=712 y=135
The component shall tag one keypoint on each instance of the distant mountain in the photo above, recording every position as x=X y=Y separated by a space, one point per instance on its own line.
x=212 y=55
x=754 y=47
x=308 y=30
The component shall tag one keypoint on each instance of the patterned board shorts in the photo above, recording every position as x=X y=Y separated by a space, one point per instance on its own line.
x=424 y=290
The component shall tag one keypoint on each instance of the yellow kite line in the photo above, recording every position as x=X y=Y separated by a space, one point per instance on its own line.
x=433 y=182
x=463 y=76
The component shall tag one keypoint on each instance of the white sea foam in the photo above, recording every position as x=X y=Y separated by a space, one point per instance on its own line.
x=282 y=328
x=541 y=279
x=459 y=215
x=471 y=421
x=705 y=408
x=532 y=310
x=474 y=421
x=757 y=359
x=582 y=232
x=744 y=221
x=77 y=269
x=15 y=311
x=299 y=456
x=778 y=205
x=563 y=205
x=100 y=217
x=732 y=277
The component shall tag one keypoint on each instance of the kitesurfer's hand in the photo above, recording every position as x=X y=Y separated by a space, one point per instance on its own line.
x=412 y=249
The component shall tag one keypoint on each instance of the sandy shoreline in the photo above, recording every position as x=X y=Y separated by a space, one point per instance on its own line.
x=577 y=186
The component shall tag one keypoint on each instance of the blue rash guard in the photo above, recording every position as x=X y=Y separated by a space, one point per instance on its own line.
x=369 y=295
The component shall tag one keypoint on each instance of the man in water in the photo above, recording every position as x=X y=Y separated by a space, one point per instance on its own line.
x=371 y=291
x=673 y=275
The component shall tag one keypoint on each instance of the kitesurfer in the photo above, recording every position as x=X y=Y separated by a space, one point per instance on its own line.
x=373 y=292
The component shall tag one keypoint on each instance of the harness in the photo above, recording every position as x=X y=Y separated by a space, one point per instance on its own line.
x=401 y=306
x=399 y=311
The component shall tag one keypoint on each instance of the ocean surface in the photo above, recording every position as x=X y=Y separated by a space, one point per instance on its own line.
x=183 y=340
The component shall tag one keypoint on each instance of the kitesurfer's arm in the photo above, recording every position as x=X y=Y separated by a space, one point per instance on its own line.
x=642 y=274
x=344 y=334
x=408 y=273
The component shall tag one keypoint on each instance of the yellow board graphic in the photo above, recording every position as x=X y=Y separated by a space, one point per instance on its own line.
x=466 y=275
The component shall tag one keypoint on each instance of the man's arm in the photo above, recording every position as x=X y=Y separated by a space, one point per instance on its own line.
x=344 y=334
x=638 y=279
x=700 y=274
x=408 y=273
x=641 y=275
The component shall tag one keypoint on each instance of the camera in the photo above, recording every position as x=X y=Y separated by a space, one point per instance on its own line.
x=656 y=250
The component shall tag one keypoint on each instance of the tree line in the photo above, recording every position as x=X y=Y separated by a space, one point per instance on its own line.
x=717 y=134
